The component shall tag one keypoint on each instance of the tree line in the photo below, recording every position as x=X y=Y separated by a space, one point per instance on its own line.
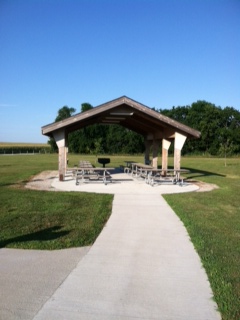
x=219 y=127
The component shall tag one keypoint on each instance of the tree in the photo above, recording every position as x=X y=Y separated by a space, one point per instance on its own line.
x=64 y=113
x=207 y=117
x=86 y=106
x=82 y=141
x=229 y=135
x=220 y=128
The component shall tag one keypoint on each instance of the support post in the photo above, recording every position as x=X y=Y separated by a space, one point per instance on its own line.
x=61 y=141
x=178 y=144
x=156 y=143
x=62 y=162
x=148 y=144
x=165 y=147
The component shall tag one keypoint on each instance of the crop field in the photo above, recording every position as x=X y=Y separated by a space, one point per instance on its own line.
x=33 y=219
x=18 y=148
x=18 y=144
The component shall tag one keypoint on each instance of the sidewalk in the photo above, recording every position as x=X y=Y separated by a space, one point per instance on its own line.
x=142 y=265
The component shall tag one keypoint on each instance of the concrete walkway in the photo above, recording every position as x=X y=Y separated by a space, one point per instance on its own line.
x=142 y=266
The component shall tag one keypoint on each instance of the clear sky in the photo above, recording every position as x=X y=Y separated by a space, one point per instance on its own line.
x=161 y=53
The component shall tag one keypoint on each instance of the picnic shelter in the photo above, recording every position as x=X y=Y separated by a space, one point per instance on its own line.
x=156 y=129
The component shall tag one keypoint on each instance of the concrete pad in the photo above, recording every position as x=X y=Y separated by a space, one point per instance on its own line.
x=122 y=184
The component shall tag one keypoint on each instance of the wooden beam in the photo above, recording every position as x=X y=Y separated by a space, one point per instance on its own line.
x=147 y=151
x=61 y=141
x=165 y=147
x=178 y=144
x=156 y=143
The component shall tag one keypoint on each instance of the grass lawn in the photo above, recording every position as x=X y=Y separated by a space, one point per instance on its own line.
x=213 y=223
x=54 y=220
x=33 y=219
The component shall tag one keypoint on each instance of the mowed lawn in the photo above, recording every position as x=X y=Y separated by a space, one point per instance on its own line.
x=213 y=223
x=32 y=219
x=53 y=220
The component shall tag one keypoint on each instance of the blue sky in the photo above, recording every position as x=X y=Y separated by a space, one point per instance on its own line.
x=160 y=53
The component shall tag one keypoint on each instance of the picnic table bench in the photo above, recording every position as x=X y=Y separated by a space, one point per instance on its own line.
x=86 y=172
x=164 y=175
x=141 y=170
x=94 y=174
x=128 y=168
x=153 y=175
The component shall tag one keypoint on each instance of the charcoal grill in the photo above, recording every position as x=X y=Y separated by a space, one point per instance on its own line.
x=104 y=161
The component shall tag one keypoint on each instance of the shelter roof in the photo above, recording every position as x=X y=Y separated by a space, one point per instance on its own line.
x=127 y=113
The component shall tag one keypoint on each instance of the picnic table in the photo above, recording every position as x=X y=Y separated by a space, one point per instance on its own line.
x=141 y=170
x=87 y=173
x=153 y=175
x=94 y=174
x=165 y=175
x=128 y=168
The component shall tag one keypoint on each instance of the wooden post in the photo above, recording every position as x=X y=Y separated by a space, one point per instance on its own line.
x=165 y=147
x=60 y=139
x=178 y=144
x=62 y=162
x=147 y=151
x=156 y=143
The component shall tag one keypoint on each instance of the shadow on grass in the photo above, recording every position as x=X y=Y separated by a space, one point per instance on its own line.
x=196 y=173
x=47 y=234
x=9 y=184
x=20 y=183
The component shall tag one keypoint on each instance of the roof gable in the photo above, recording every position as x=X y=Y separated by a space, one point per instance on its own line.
x=127 y=113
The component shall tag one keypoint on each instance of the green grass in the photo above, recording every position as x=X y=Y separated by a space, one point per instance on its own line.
x=213 y=223
x=54 y=220
x=33 y=219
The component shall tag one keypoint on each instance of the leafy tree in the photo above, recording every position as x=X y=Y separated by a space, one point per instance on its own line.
x=229 y=135
x=86 y=106
x=64 y=112
x=179 y=114
x=76 y=140
x=207 y=117
x=86 y=140
x=220 y=128
x=99 y=138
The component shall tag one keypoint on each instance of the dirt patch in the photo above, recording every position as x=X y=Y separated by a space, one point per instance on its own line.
x=43 y=181
x=203 y=186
